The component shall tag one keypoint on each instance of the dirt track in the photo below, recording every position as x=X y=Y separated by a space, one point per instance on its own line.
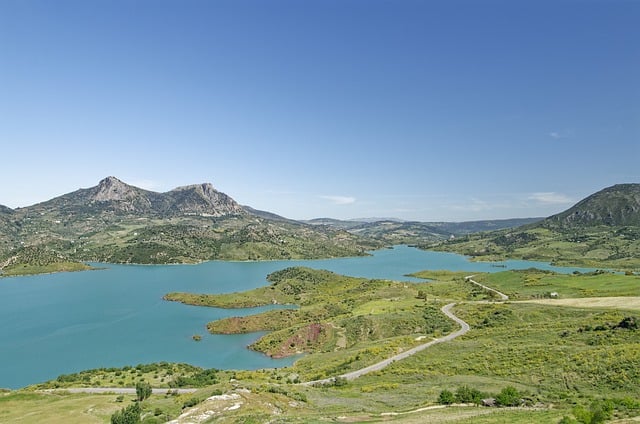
x=464 y=327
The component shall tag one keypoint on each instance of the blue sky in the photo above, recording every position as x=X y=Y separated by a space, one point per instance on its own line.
x=426 y=110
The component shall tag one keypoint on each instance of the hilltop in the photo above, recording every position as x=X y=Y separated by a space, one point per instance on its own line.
x=112 y=196
x=616 y=206
x=120 y=223
x=601 y=230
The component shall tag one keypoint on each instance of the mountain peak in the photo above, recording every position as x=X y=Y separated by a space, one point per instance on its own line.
x=202 y=188
x=618 y=205
x=112 y=189
x=204 y=199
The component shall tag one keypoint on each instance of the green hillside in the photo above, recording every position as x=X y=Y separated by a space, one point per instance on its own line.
x=602 y=230
x=119 y=223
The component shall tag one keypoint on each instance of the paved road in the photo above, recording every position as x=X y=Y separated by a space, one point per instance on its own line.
x=115 y=390
x=464 y=327
x=502 y=295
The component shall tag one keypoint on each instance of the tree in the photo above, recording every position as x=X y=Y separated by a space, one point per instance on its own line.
x=446 y=397
x=509 y=396
x=143 y=390
x=466 y=394
x=128 y=415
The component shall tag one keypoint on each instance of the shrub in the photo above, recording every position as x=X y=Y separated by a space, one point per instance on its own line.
x=446 y=397
x=143 y=390
x=509 y=396
x=628 y=323
x=191 y=402
x=466 y=394
x=128 y=415
x=340 y=382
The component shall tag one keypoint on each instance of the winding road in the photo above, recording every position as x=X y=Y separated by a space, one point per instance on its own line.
x=464 y=328
x=469 y=278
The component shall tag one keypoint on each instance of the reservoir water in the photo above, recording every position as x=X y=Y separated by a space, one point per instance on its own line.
x=67 y=322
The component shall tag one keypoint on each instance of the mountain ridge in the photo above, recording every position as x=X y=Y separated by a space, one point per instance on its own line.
x=113 y=195
x=116 y=222
x=603 y=228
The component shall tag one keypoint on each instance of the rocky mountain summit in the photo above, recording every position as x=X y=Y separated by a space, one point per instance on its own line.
x=113 y=196
x=112 y=189
x=202 y=199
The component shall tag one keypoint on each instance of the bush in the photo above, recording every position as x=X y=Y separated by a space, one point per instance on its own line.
x=143 y=390
x=128 y=415
x=466 y=394
x=446 y=397
x=200 y=379
x=628 y=323
x=509 y=396
x=340 y=382
x=598 y=412
x=190 y=402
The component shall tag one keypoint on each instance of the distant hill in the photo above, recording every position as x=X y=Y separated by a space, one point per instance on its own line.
x=603 y=230
x=267 y=215
x=468 y=227
x=414 y=232
x=117 y=222
x=614 y=206
x=335 y=223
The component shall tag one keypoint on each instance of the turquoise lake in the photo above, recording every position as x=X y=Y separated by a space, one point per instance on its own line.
x=63 y=323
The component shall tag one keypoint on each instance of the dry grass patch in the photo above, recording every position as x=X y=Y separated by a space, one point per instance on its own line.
x=630 y=303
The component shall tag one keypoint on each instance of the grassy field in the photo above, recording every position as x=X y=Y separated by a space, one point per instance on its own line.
x=531 y=283
x=58 y=408
x=559 y=358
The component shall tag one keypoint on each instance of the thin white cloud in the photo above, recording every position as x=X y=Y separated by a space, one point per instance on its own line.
x=550 y=197
x=557 y=135
x=339 y=200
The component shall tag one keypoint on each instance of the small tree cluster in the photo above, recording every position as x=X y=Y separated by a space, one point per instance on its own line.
x=598 y=412
x=509 y=396
x=466 y=394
